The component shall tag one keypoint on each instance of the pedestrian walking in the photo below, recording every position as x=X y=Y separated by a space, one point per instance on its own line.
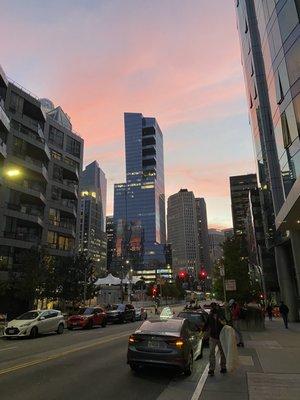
x=235 y=317
x=269 y=310
x=213 y=326
x=284 y=310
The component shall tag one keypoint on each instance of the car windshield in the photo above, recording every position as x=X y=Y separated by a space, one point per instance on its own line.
x=171 y=325
x=194 y=318
x=117 y=307
x=85 y=311
x=29 y=315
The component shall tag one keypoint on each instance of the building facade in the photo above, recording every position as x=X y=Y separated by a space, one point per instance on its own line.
x=216 y=239
x=183 y=232
x=239 y=192
x=93 y=239
x=270 y=43
x=139 y=203
x=39 y=202
x=203 y=240
x=110 y=236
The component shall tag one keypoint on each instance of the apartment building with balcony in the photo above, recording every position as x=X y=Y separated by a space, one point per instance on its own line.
x=39 y=177
x=24 y=172
x=62 y=211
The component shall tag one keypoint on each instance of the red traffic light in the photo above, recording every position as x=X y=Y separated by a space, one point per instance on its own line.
x=202 y=274
x=154 y=291
x=182 y=274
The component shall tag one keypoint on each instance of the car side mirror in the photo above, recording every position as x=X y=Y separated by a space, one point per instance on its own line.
x=41 y=318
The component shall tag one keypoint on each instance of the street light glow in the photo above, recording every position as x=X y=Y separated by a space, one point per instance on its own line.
x=12 y=173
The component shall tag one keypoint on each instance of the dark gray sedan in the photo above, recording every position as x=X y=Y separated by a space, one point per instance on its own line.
x=173 y=343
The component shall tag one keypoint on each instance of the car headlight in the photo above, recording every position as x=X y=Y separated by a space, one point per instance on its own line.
x=26 y=324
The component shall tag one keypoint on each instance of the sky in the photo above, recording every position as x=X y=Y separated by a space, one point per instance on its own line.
x=176 y=60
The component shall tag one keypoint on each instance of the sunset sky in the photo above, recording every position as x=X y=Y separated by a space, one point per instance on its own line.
x=176 y=60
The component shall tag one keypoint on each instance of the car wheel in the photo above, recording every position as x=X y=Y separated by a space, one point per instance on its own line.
x=90 y=324
x=189 y=368
x=70 y=328
x=34 y=332
x=134 y=367
x=60 y=329
x=104 y=322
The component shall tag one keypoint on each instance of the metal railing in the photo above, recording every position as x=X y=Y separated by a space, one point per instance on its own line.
x=26 y=209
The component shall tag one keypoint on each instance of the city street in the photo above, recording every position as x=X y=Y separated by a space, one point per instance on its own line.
x=88 y=364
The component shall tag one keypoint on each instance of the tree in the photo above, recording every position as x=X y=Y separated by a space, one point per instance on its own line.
x=235 y=264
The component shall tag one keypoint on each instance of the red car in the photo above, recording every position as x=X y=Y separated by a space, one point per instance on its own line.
x=87 y=317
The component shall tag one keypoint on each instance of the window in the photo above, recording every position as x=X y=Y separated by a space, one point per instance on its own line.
x=55 y=136
x=54 y=216
x=293 y=62
x=16 y=102
x=57 y=173
x=52 y=239
x=55 y=193
x=73 y=146
x=288 y=18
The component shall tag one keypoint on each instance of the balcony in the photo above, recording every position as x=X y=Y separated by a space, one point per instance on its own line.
x=3 y=151
x=149 y=131
x=66 y=205
x=148 y=141
x=29 y=136
x=69 y=186
x=28 y=212
x=33 y=124
x=65 y=226
x=29 y=187
x=149 y=162
x=67 y=165
x=31 y=163
x=4 y=120
x=20 y=239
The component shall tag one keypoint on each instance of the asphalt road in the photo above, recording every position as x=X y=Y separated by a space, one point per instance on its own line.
x=88 y=364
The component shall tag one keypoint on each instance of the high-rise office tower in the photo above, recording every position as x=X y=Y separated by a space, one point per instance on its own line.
x=110 y=235
x=93 y=215
x=239 y=192
x=270 y=44
x=183 y=231
x=139 y=204
x=203 y=239
x=216 y=240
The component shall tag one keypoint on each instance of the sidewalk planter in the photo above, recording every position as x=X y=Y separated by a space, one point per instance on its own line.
x=254 y=320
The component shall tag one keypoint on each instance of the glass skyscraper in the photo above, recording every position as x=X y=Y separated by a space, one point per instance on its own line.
x=139 y=204
x=270 y=43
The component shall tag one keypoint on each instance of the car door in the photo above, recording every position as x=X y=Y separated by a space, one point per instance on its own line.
x=97 y=316
x=43 y=322
x=53 y=320
x=194 y=338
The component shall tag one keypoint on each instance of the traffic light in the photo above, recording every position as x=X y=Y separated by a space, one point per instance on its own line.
x=154 y=291
x=182 y=275
x=202 y=274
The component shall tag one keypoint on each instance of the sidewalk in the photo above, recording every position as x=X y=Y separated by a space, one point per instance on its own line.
x=269 y=367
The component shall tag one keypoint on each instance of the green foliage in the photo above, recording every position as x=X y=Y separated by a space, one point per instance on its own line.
x=236 y=267
x=40 y=276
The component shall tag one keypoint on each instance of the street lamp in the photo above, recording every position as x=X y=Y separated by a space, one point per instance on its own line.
x=13 y=172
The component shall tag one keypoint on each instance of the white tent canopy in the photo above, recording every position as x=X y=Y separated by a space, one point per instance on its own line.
x=113 y=280
x=108 y=280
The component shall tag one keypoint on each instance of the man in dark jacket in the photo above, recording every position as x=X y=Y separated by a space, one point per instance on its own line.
x=284 y=310
x=214 y=325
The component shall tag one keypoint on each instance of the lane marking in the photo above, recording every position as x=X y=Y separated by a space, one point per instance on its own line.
x=200 y=384
x=62 y=354
x=8 y=348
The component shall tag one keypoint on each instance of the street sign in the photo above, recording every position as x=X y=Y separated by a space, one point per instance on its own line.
x=222 y=271
x=230 y=285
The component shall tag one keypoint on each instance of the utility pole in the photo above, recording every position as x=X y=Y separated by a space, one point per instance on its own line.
x=222 y=274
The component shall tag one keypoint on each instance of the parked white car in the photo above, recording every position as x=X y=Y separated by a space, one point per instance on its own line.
x=35 y=322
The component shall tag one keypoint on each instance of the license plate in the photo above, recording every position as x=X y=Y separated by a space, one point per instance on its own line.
x=11 y=331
